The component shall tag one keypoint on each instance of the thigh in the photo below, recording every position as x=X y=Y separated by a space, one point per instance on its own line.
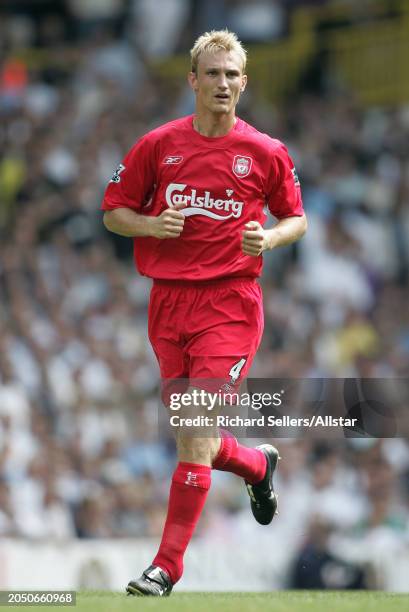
x=165 y=335
x=225 y=343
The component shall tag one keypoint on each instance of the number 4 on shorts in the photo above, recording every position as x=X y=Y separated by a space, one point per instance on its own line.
x=236 y=369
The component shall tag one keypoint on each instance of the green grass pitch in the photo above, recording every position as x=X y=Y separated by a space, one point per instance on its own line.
x=278 y=601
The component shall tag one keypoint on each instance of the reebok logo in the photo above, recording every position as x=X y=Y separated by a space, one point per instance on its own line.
x=173 y=159
x=203 y=204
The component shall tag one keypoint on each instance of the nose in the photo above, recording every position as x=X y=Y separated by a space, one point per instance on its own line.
x=222 y=82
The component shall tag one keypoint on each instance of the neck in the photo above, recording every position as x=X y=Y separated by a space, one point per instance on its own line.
x=213 y=126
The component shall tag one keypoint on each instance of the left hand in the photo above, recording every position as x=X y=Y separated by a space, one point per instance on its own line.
x=254 y=239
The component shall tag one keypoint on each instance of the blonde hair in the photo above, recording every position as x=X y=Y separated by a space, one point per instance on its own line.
x=217 y=40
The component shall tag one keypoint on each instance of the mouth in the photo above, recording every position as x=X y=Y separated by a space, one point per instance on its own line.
x=222 y=97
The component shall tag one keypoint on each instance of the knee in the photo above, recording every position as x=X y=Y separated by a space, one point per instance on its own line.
x=197 y=450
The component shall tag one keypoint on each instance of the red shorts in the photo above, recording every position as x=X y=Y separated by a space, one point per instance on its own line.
x=205 y=333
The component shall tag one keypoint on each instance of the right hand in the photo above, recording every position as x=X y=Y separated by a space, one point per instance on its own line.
x=169 y=224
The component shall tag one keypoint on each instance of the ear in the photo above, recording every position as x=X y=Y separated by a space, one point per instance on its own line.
x=243 y=82
x=192 y=80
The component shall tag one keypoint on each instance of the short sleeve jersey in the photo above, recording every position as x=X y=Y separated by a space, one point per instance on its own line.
x=223 y=183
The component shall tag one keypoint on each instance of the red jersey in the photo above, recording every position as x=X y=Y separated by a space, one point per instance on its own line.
x=224 y=182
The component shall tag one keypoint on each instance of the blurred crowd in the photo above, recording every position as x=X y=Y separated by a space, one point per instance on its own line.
x=79 y=450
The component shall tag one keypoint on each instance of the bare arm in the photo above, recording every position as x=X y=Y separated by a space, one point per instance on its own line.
x=126 y=222
x=256 y=239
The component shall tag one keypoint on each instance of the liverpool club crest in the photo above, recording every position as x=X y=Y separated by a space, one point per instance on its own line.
x=242 y=165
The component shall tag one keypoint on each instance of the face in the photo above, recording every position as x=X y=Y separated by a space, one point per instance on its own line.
x=218 y=82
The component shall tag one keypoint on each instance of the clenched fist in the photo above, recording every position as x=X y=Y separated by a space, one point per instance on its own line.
x=254 y=239
x=169 y=224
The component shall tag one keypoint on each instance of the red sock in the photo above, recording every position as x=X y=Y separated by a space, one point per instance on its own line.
x=249 y=463
x=188 y=492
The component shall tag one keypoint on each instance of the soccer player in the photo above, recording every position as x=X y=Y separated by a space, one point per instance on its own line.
x=191 y=194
